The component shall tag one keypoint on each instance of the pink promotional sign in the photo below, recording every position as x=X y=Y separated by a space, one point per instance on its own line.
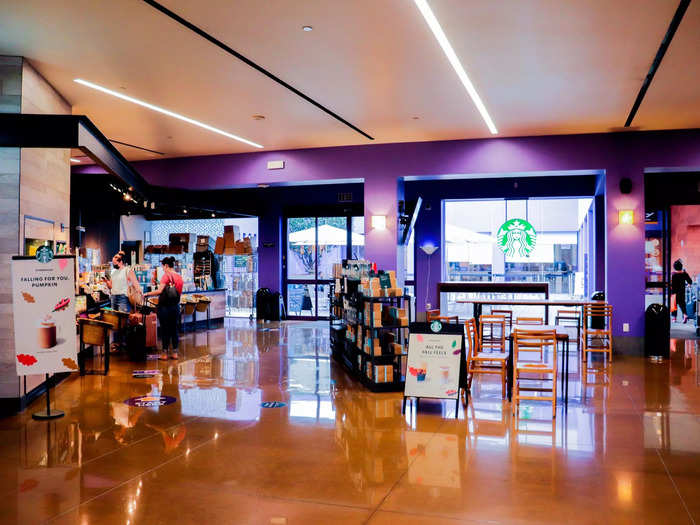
x=43 y=292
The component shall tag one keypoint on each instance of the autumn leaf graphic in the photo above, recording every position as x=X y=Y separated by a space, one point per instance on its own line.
x=29 y=298
x=26 y=359
x=69 y=363
x=62 y=304
x=28 y=484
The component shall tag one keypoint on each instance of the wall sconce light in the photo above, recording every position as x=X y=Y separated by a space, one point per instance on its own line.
x=428 y=248
x=379 y=222
x=625 y=216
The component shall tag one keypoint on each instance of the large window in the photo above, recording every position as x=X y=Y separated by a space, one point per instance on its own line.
x=559 y=254
x=314 y=245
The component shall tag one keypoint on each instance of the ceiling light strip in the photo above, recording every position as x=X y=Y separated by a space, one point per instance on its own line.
x=435 y=27
x=167 y=112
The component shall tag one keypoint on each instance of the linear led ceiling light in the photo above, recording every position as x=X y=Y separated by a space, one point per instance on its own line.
x=166 y=112
x=454 y=60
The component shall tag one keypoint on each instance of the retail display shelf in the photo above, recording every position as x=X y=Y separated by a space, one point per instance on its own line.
x=374 y=355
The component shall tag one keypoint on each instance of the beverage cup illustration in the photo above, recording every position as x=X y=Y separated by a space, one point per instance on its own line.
x=46 y=335
x=445 y=374
x=422 y=372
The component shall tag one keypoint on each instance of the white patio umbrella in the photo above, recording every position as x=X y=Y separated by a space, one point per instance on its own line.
x=327 y=234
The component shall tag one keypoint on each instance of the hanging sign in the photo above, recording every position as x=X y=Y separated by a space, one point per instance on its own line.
x=434 y=360
x=516 y=238
x=43 y=300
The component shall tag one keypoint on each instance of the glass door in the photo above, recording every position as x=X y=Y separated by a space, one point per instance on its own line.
x=314 y=245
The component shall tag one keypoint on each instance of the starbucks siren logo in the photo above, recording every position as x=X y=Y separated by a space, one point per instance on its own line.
x=436 y=326
x=517 y=238
x=44 y=254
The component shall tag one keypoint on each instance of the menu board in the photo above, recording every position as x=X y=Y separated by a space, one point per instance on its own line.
x=43 y=293
x=435 y=357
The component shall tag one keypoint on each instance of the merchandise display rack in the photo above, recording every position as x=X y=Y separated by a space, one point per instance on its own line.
x=348 y=316
x=241 y=276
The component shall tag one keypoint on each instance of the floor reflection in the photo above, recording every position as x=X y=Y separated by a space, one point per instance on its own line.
x=265 y=426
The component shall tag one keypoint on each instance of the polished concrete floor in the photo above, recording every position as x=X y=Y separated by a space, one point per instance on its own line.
x=626 y=451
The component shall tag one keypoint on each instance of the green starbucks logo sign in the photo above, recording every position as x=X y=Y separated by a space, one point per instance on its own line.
x=44 y=254
x=517 y=238
x=436 y=326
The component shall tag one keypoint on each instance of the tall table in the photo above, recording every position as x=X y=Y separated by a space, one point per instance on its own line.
x=562 y=336
x=479 y=303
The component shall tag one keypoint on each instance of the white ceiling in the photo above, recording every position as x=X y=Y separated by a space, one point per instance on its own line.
x=541 y=67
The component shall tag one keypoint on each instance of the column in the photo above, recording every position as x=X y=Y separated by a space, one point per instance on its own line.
x=380 y=198
x=10 y=102
x=624 y=258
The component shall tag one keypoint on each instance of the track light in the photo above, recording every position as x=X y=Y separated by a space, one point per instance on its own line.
x=454 y=61
x=164 y=111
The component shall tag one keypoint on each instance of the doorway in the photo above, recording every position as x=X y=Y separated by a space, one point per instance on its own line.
x=312 y=246
x=672 y=234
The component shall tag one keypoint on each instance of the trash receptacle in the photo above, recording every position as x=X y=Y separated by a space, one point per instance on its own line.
x=597 y=321
x=262 y=300
x=657 y=328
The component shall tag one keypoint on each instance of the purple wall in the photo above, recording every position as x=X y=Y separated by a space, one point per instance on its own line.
x=381 y=166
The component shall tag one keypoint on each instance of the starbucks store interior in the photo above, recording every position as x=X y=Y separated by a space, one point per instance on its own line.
x=247 y=279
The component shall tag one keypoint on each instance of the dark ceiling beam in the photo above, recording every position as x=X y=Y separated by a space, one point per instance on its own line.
x=218 y=43
x=69 y=131
x=668 y=37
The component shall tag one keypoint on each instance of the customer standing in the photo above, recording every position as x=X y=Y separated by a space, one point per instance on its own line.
x=679 y=278
x=168 y=293
x=119 y=280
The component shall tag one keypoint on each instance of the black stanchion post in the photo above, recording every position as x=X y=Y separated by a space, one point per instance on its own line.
x=48 y=414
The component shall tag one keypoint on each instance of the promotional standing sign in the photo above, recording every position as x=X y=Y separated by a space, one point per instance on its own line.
x=43 y=292
x=435 y=361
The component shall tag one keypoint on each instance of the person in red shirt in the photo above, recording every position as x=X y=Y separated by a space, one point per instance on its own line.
x=168 y=310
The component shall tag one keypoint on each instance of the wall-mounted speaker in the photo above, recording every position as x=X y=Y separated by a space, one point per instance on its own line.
x=626 y=185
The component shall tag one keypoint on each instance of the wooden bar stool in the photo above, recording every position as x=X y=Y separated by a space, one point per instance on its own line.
x=93 y=332
x=203 y=305
x=507 y=315
x=431 y=314
x=492 y=333
x=446 y=319
x=118 y=321
x=569 y=316
x=543 y=371
x=479 y=362
x=597 y=330
x=533 y=321
x=187 y=308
